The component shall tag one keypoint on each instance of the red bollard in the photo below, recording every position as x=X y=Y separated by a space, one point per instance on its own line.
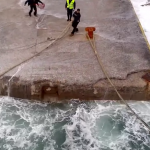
x=90 y=31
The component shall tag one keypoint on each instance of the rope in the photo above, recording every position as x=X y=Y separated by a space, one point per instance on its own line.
x=37 y=54
x=29 y=46
x=92 y=42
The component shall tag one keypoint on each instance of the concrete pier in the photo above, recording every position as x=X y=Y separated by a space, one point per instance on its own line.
x=69 y=68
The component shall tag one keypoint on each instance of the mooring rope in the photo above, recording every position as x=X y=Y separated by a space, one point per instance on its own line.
x=92 y=42
x=37 y=54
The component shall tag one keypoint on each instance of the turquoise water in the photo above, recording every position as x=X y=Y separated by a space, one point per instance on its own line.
x=94 y=125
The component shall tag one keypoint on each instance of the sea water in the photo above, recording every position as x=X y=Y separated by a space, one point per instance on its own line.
x=73 y=125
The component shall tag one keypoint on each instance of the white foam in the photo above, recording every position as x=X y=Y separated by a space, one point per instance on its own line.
x=98 y=137
x=90 y=126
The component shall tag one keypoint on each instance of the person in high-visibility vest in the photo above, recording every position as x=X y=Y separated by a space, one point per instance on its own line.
x=70 y=6
x=32 y=4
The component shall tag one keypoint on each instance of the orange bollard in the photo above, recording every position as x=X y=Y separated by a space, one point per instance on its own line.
x=90 y=31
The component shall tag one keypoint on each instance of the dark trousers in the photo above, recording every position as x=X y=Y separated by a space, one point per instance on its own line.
x=74 y=25
x=69 y=13
x=31 y=9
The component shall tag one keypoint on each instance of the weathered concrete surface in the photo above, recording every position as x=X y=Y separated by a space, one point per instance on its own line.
x=70 y=65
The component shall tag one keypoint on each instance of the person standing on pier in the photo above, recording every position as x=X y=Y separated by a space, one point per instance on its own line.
x=76 y=21
x=32 y=4
x=70 y=6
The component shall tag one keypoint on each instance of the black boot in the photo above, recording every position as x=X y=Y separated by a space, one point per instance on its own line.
x=76 y=30
x=72 y=34
x=35 y=14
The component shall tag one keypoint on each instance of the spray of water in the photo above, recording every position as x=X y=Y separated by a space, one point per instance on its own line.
x=75 y=125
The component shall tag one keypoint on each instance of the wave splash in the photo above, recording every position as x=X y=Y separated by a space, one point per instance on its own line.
x=74 y=125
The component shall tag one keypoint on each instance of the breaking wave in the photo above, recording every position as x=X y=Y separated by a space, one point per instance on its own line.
x=74 y=125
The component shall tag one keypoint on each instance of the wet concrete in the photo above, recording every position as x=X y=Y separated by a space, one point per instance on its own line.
x=69 y=68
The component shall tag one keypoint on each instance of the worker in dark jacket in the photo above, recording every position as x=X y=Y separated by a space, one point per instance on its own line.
x=70 y=6
x=76 y=21
x=32 y=4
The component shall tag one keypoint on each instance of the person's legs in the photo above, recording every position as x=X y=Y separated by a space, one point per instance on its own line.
x=68 y=13
x=74 y=24
x=31 y=9
x=77 y=30
x=35 y=10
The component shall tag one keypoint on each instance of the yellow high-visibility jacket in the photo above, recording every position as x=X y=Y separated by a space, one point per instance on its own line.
x=71 y=5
